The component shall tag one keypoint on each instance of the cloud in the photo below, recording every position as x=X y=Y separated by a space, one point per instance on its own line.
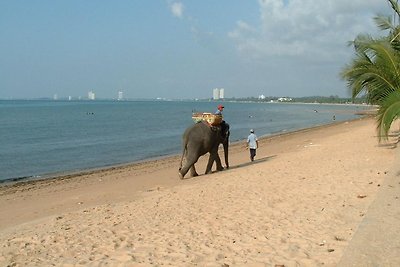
x=305 y=28
x=205 y=38
x=177 y=9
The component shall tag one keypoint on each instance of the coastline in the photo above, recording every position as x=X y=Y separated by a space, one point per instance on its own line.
x=298 y=203
x=21 y=181
x=54 y=156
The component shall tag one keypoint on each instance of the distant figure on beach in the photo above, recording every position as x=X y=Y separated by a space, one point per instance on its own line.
x=334 y=117
x=252 y=144
x=219 y=110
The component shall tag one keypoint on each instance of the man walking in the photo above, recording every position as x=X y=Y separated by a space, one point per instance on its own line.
x=252 y=144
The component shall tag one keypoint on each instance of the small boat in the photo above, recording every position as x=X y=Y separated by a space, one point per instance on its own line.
x=212 y=119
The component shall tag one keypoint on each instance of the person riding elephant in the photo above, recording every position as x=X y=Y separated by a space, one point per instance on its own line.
x=199 y=139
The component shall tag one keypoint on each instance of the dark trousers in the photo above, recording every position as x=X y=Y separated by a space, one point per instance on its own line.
x=252 y=153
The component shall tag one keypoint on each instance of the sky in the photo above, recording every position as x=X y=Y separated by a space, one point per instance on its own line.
x=180 y=49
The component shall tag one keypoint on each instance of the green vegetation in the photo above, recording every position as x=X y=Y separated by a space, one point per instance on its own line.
x=305 y=99
x=375 y=70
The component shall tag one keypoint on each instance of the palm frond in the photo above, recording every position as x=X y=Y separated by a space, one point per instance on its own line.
x=374 y=70
x=388 y=112
x=395 y=6
x=384 y=22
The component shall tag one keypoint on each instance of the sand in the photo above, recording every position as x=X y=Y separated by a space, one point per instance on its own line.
x=327 y=196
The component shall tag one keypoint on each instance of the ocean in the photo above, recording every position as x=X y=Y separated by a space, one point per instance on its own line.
x=41 y=138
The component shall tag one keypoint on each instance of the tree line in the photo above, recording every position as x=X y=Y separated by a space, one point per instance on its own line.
x=305 y=99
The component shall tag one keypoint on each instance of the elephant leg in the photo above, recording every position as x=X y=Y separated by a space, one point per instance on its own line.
x=183 y=171
x=218 y=163
x=193 y=172
x=209 y=164
x=214 y=157
x=183 y=158
x=189 y=163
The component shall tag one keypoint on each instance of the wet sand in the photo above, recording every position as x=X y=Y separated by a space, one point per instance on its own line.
x=312 y=198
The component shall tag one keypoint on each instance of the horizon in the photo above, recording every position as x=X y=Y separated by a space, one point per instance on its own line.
x=246 y=98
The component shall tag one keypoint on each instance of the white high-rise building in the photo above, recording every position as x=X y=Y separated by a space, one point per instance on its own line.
x=91 y=95
x=221 y=93
x=215 y=93
x=120 y=95
x=218 y=93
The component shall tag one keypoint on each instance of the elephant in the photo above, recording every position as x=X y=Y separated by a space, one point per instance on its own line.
x=199 y=139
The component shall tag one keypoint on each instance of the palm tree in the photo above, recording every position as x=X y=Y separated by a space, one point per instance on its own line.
x=375 y=71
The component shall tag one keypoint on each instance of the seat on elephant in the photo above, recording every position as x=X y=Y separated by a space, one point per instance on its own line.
x=211 y=119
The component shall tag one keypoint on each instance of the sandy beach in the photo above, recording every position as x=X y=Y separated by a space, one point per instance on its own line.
x=327 y=196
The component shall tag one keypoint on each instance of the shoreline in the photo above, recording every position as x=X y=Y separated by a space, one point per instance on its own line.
x=75 y=173
x=17 y=181
x=303 y=201
x=45 y=168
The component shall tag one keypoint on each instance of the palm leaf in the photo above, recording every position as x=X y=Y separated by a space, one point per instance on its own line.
x=374 y=71
x=395 y=6
x=388 y=112
x=384 y=23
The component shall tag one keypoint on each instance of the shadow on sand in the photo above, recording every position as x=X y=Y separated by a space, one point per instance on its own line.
x=256 y=161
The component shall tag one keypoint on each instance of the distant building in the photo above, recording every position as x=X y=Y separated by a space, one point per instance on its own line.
x=262 y=97
x=120 y=95
x=69 y=98
x=55 y=97
x=91 y=95
x=218 y=93
x=285 y=99
x=215 y=93
x=222 y=93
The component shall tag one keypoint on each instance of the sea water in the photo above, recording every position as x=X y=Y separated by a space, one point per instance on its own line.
x=46 y=137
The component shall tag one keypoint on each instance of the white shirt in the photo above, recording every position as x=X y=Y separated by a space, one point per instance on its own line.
x=252 y=141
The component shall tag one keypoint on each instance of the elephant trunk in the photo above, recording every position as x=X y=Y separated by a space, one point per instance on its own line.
x=226 y=148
